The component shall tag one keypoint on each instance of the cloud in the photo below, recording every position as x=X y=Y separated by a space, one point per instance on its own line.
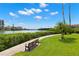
x=25 y=9
x=33 y=9
x=12 y=14
x=38 y=17
x=36 y=10
x=28 y=12
x=22 y=12
x=43 y=5
x=46 y=10
x=54 y=13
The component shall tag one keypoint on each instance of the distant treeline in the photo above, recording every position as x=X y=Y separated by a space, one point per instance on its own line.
x=75 y=29
x=45 y=28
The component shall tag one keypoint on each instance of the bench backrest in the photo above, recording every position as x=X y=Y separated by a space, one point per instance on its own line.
x=32 y=45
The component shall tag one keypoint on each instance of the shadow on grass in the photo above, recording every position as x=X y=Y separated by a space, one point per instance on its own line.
x=68 y=40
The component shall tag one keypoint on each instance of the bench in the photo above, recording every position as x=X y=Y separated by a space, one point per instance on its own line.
x=31 y=45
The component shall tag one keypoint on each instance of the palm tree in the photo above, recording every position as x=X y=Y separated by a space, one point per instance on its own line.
x=69 y=14
x=71 y=30
x=63 y=13
x=62 y=33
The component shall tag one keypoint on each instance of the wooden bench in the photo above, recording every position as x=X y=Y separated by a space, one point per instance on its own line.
x=31 y=45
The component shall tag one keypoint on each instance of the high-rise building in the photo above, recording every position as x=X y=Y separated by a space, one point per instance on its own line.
x=1 y=24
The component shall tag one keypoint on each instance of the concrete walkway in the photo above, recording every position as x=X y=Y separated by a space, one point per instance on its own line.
x=20 y=47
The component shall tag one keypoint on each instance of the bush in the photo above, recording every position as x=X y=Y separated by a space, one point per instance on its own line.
x=9 y=40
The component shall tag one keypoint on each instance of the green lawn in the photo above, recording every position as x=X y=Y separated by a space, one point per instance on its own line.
x=53 y=46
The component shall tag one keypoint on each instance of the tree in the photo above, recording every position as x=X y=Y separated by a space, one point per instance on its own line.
x=69 y=14
x=70 y=19
x=63 y=13
x=62 y=29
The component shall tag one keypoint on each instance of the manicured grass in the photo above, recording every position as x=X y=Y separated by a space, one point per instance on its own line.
x=53 y=46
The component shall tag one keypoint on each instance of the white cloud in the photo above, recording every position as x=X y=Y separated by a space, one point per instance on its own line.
x=22 y=12
x=12 y=14
x=25 y=9
x=43 y=5
x=38 y=17
x=54 y=13
x=28 y=12
x=46 y=10
x=33 y=9
x=36 y=10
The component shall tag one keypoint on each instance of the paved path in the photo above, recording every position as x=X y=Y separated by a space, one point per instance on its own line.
x=19 y=48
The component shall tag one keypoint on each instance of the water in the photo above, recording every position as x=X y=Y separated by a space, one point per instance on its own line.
x=20 y=31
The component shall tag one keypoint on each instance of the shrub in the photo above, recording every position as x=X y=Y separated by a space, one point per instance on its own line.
x=9 y=40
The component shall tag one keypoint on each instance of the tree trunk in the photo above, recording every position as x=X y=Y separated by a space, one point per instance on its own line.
x=70 y=17
x=69 y=14
x=63 y=13
x=62 y=33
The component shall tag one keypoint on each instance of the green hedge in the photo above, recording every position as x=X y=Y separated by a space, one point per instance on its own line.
x=9 y=40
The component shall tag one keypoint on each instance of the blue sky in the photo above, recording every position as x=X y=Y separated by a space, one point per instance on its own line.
x=36 y=15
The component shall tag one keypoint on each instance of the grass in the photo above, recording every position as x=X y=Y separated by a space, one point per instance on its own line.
x=53 y=46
